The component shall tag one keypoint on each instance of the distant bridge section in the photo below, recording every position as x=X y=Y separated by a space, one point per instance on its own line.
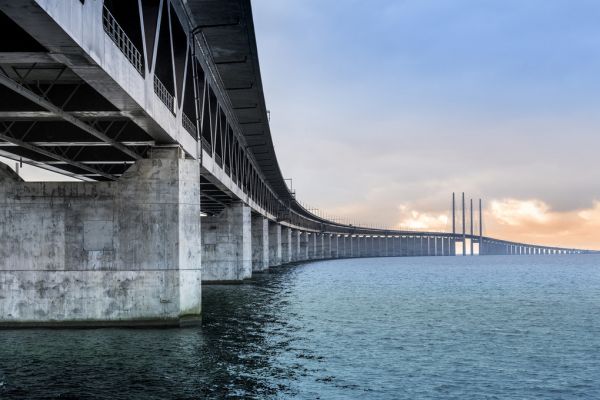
x=157 y=106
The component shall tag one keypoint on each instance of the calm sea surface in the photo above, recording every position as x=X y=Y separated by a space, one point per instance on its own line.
x=389 y=328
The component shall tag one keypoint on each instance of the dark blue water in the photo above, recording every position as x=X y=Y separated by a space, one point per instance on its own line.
x=398 y=328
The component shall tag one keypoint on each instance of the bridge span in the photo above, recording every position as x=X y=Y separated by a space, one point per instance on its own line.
x=157 y=107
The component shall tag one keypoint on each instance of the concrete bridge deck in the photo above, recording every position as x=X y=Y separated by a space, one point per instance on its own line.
x=158 y=108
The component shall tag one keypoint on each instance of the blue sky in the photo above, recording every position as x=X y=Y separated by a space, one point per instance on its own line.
x=399 y=103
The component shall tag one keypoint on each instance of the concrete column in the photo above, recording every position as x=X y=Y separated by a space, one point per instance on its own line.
x=295 y=245
x=342 y=247
x=363 y=243
x=335 y=246
x=430 y=246
x=286 y=245
x=260 y=243
x=304 y=246
x=320 y=244
x=371 y=246
x=353 y=243
x=374 y=250
x=332 y=244
x=226 y=245
x=327 y=246
x=103 y=253
x=360 y=246
x=312 y=246
x=274 y=244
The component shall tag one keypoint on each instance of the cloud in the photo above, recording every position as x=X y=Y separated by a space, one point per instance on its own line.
x=518 y=212
x=415 y=220
x=534 y=221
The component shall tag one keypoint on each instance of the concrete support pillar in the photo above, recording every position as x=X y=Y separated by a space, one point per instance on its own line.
x=430 y=246
x=342 y=247
x=295 y=244
x=335 y=243
x=103 y=253
x=304 y=246
x=320 y=246
x=403 y=246
x=372 y=247
x=260 y=243
x=274 y=244
x=286 y=245
x=375 y=246
x=439 y=246
x=312 y=246
x=327 y=246
x=360 y=246
x=226 y=245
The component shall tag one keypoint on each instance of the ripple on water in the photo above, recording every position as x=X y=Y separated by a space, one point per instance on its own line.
x=394 y=328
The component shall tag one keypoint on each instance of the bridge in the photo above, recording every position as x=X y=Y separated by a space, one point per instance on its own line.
x=157 y=108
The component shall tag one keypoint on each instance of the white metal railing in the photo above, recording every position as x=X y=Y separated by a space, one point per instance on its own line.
x=164 y=95
x=120 y=38
x=188 y=125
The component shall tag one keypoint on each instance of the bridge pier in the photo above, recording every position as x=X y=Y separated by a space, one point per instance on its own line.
x=404 y=246
x=430 y=246
x=312 y=246
x=226 y=245
x=304 y=246
x=342 y=242
x=286 y=245
x=260 y=243
x=335 y=243
x=103 y=253
x=362 y=246
x=326 y=246
x=320 y=246
x=295 y=252
x=275 y=245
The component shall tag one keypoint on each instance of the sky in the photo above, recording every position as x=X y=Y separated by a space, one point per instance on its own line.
x=381 y=109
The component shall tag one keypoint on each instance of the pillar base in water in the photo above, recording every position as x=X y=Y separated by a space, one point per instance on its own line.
x=124 y=253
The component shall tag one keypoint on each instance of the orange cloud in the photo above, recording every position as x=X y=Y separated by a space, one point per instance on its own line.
x=533 y=221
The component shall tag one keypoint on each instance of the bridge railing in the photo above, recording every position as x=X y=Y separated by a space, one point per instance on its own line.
x=120 y=38
x=164 y=95
x=188 y=125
